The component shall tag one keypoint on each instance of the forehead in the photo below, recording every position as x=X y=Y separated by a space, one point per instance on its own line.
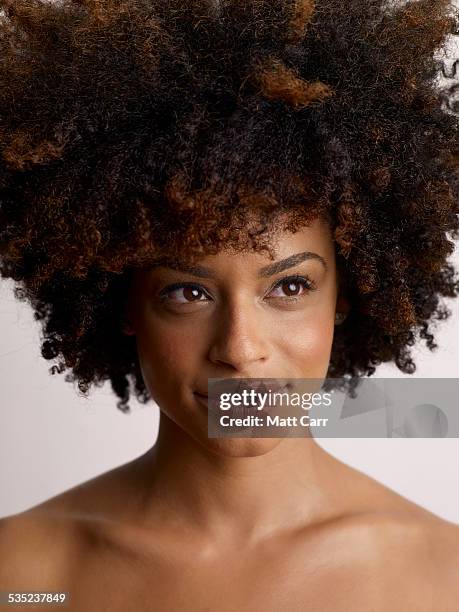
x=312 y=242
x=315 y=237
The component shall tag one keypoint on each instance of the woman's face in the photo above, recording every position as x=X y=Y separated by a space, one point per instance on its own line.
x=237 y=315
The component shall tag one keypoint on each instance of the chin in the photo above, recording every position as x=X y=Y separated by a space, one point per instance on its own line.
x=240 y=447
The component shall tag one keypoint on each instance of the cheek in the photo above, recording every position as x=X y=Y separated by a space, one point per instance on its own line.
x=167 y=355
x=307 y=347
x=171 y=349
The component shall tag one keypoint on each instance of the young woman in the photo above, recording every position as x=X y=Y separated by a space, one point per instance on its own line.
x=258 y=189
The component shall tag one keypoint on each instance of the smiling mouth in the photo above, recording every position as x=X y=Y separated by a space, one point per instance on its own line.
x=242 y=411
x=257 y=385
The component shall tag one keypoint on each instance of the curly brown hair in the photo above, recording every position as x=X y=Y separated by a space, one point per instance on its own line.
x=136 y=129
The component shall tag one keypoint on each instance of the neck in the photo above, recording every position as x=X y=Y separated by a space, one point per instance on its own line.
x=247 y=498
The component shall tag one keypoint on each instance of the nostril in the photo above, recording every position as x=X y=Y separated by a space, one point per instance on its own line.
x=260 y=386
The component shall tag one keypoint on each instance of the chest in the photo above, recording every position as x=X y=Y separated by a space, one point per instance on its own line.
x=287 y=582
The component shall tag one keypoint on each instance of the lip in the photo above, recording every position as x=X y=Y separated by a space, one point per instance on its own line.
x=235 y=385
x=203 y=398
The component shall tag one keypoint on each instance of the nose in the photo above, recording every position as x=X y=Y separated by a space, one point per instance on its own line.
x=240 y=340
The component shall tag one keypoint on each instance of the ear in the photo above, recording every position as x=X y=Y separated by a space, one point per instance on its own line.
x=126 y=327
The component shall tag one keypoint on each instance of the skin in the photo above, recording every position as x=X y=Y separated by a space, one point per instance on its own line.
x=248 y=329
x=249 y=523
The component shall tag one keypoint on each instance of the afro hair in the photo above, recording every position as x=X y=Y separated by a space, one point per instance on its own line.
x=136 y=129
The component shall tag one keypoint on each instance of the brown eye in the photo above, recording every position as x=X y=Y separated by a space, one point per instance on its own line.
x=192 y=293
x=181 y=293
x=294 y=287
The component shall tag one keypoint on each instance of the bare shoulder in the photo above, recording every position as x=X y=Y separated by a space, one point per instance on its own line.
x=415 y=553
x=107 y=496
x=36 y=551
x=437 y=544
x=419 y=562
x=395 y=560
x=41 y=546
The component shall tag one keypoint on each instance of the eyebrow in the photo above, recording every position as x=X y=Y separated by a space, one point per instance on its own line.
x=266 y=271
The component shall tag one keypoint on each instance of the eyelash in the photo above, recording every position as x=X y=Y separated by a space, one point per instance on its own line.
x=306 y=282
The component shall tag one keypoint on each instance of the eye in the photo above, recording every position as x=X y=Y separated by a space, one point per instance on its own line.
x=190 y=292
x=296 y=287
x=292 y=284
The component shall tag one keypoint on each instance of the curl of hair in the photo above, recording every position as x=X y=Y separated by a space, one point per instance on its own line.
x=135 y=129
